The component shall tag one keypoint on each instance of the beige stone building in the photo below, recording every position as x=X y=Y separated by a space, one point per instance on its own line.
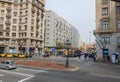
x=22 y=26
x=107 y=27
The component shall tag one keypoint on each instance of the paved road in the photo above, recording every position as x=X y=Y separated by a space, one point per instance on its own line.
x=89 y=72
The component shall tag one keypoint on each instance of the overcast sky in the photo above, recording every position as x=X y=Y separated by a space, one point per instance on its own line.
x=79 y=13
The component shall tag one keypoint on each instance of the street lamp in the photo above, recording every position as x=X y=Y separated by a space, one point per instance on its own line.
x=68 y=44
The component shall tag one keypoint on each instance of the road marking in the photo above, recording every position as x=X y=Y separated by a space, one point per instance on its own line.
x=25 y=79
x=117 y=66
x=107 y=76
x=2 y=75
x=33 y=70
x=22 y=74
x=16 y=73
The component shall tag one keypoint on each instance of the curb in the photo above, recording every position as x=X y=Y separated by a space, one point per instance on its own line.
x=74 y=69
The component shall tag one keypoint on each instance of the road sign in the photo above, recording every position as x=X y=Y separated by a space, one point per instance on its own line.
x=53 y=49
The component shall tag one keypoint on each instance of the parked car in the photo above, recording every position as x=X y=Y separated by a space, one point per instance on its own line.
x=8 y=64
x=9 y=55
x=15 y=55
x=2 y=55
x=46 y=55
x=21 y=55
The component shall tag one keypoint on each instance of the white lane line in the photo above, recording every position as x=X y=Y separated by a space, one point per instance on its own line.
x=25 y=79
x=22 y=74
x=107 y=76
x=16 y=73
x=117 y=66
x=2 y=75
x=33 y=70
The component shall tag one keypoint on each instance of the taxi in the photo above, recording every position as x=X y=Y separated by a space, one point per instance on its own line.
x=9 y=55
x=16 y=55
x=21 y=55
x=2 y=55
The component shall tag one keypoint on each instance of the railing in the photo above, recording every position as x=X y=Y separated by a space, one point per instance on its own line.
x=8 y=8
x=103 y=31
x=9 y=1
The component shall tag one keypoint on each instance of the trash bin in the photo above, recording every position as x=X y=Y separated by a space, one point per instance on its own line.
x=115 y=58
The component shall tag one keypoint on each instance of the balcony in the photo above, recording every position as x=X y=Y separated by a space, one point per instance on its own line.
x=33 y=10
x=8 y=8
x=7 y=1
x=103 y=31
x=38 y=19
x=7 y=29
x=7 y=23
x=8 y=16
x=38 y=13
x=37 y=31
x=1 y=23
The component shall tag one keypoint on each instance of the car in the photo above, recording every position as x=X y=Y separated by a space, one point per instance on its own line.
x=2 y=55
x=15 y=55
x=21 y=56
x=46 y=55
x=9 y=55
x=8 y=64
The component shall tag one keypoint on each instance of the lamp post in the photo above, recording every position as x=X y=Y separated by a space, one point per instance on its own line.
x=68 y=44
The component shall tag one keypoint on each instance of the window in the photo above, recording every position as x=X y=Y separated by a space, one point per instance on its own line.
x=14 y=21
x=105 y=40
x=25 y=27
x=1 y=33
x=14 y=34
x=105 y=24
x=2 y=12
x=14 y=28
x=118 y=40
x=104 y=1
x=25 y=20
x=31 y=34
x=118 y=9
x=104 y=11
x=15 y=14
x=32 y=28
x=2 y=4
x=118 y=24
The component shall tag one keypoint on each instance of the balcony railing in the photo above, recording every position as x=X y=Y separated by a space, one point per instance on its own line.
x=8 y=1
x=103 y=31
x=8 y=8
x=8 y=16
x=7 y=23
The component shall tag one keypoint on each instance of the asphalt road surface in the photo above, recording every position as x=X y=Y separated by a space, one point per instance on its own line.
x=89 y=72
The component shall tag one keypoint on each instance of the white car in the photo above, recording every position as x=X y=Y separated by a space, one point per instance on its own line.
x=8 y=64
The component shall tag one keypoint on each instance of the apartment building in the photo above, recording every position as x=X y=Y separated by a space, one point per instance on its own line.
x=107 y=27
x=76 y=41
x=22 y=26
x=58 y=31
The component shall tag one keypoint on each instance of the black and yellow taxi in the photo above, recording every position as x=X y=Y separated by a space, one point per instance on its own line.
x=2 y=55
x=9 y=55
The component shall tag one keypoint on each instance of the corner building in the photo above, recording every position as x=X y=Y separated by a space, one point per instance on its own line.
x=22 y=26
x=107 y=27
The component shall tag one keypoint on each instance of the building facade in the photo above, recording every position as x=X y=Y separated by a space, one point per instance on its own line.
x=107 y=27
x=58 y=31
x=75 y=38
x=22 y=26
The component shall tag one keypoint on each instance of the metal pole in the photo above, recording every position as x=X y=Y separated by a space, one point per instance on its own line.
x=67 y=62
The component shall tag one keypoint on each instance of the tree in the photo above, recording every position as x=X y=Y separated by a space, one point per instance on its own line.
x=59 y=45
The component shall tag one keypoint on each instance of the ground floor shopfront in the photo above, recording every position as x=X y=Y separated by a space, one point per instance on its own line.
x=14 y=49
x=107 y=44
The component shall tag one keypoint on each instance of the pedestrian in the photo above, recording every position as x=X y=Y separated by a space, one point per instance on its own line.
x=85 y=56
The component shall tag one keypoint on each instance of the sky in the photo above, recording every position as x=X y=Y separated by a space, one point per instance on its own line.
x=79 y=13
